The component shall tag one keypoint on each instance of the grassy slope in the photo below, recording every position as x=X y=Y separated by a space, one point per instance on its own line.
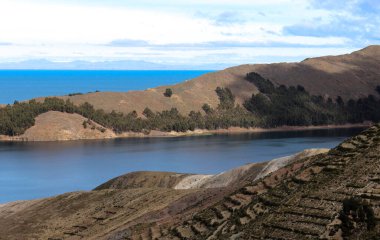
x=59 y=126
x=350 y=76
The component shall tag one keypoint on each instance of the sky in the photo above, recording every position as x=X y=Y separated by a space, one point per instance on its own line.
x=185 y=32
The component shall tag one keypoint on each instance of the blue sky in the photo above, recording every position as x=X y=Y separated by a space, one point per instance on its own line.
x=185 y=31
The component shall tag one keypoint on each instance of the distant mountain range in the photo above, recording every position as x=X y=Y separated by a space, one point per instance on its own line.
x=43 y=64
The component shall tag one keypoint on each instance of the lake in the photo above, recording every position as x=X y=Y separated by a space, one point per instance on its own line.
x=26 y=84
x=34 y=170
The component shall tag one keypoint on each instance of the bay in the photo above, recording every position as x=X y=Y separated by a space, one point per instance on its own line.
x=33 y=170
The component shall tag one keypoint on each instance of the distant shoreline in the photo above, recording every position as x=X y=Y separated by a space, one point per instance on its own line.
x=197 y=132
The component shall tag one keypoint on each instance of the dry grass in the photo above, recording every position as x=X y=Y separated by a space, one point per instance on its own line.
x=350 y=76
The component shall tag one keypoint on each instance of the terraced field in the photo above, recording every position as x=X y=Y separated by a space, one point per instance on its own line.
x=304 y=200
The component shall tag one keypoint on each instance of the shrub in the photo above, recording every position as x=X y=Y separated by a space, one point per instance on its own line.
x=378 y=89
x=226 y=98
x=356 y=214
x=207 y=108
x=168 y=92
x=74 y=94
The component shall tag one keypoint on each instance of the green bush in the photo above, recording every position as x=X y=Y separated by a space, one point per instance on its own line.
x=168 y=92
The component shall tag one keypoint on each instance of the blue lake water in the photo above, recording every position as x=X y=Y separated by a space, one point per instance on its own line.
x=35 y=170
x=27 y=84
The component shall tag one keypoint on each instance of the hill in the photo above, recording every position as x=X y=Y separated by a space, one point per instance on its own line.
x=349 y=76
x=312 y=195
x=325 y=91
x=333 y=196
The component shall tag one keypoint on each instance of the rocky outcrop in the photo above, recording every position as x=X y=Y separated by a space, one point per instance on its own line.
x=234 y=177
x=144 y=180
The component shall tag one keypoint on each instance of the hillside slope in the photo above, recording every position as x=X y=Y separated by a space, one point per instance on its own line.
x=130 y=203
x=355 y=75
x=350 y=76
x=59 y=126
x=333 y=196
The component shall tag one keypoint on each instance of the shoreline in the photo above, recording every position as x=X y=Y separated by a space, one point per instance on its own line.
x=197 y=132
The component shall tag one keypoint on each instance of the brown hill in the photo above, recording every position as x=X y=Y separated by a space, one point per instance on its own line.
x=59 y=126
x=350 y=76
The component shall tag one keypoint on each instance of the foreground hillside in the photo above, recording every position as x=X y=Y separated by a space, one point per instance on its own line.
x=333 y=196
x=313 y=195
x=349 y=76
x=135 y=200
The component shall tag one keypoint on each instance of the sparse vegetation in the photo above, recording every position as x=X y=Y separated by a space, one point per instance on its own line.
x=74 y=94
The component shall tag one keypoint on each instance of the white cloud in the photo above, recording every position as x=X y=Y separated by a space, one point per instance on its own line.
x=67 y=30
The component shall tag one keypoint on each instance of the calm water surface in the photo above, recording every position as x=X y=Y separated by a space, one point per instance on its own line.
x=35 y=170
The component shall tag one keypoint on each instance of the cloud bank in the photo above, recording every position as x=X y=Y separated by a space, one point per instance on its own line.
x=185 y=32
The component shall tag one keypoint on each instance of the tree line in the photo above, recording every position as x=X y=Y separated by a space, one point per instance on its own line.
x=294 y=106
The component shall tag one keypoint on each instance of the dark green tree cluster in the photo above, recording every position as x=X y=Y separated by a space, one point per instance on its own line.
x=264 y=85
x=227 y=114
x=294 y=106
x=168 y=92
x=74 y=94
x=363 y=109
x=226 y=98
x=16 y=118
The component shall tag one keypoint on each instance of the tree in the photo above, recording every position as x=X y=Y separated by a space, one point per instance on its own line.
x=258 y=104
x=226 y=98
x=300 y=88
x=207 y=108
x=378 y=89
x=148 y=113
x=339 y=101
x=264 y=85
x=168 y=92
